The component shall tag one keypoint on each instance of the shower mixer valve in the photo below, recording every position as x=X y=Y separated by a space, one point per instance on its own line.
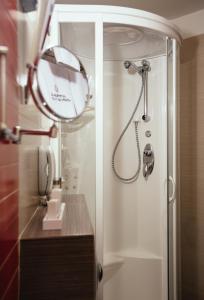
x=148 y=161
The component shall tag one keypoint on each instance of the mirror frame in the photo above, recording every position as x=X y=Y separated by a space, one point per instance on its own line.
x=36 y=94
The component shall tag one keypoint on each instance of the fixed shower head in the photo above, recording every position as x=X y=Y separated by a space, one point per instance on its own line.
x=127 y=64
x=131 y=67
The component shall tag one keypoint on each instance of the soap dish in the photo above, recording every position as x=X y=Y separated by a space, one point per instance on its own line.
x=53 y=224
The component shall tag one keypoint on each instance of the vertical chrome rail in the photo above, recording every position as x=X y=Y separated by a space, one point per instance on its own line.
x=146 y=69
x=3 y=84
x=146 y=117
x=6 y=134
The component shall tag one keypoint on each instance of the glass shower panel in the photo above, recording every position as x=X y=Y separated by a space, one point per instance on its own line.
x=78 y=136
x=135 y=214
x=172 y=190
x=130 y=220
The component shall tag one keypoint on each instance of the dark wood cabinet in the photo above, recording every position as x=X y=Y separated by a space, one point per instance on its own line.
x=59 y=264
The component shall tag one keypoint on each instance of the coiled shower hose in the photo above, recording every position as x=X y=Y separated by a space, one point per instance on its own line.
x=135 y=176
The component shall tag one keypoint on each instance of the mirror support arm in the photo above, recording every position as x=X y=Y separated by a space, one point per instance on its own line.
x=14 y=136
x=51 y=133
x=8 y=135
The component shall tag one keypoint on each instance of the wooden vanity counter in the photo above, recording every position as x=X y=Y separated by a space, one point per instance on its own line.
x=59 y=264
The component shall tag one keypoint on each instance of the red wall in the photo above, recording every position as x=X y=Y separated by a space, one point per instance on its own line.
x=9 y=164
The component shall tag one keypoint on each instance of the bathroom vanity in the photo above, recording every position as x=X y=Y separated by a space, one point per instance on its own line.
x=59 y=264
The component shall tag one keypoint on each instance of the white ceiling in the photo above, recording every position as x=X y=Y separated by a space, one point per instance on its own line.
x=169 y=9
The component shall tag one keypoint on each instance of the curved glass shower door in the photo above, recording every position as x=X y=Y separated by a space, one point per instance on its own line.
x=135 y=214
x=173 y=170
x=133 y=223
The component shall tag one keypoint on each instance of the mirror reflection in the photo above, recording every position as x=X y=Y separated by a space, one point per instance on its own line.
x=62 y=86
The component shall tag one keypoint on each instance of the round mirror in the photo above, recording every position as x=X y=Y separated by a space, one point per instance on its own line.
x=62 y=90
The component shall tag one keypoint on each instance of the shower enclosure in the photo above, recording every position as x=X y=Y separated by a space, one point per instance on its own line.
x=134 y=109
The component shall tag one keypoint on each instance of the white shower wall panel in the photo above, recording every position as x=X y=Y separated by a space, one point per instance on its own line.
x=78 y=150
x=136 y=278
x=134 y=214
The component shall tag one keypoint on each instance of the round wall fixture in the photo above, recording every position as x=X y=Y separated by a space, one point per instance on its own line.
x=121 y=35
x=62 y=90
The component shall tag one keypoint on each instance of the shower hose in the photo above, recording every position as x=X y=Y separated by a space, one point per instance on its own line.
x=135 y=176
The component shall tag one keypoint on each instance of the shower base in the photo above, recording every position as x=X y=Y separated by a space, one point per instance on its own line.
x=131 y=273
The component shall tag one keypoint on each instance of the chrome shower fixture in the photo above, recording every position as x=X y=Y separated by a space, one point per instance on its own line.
x=133 y=68
x=146 y=65
x=143 y=71
x=148 y=161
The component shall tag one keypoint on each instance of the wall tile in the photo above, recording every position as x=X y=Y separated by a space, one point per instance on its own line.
x=12 y=293
x=9 y=154
x=9 y=162
x=8 y=270
x=8 y=225
x=8 y=4
x=192 y=168
x=29 y=117
x=8 y=179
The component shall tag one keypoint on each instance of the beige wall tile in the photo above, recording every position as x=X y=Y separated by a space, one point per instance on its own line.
x=30 y=118
x=192 y=167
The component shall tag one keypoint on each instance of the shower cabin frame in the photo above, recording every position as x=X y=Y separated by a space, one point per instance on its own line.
x=99 y=15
